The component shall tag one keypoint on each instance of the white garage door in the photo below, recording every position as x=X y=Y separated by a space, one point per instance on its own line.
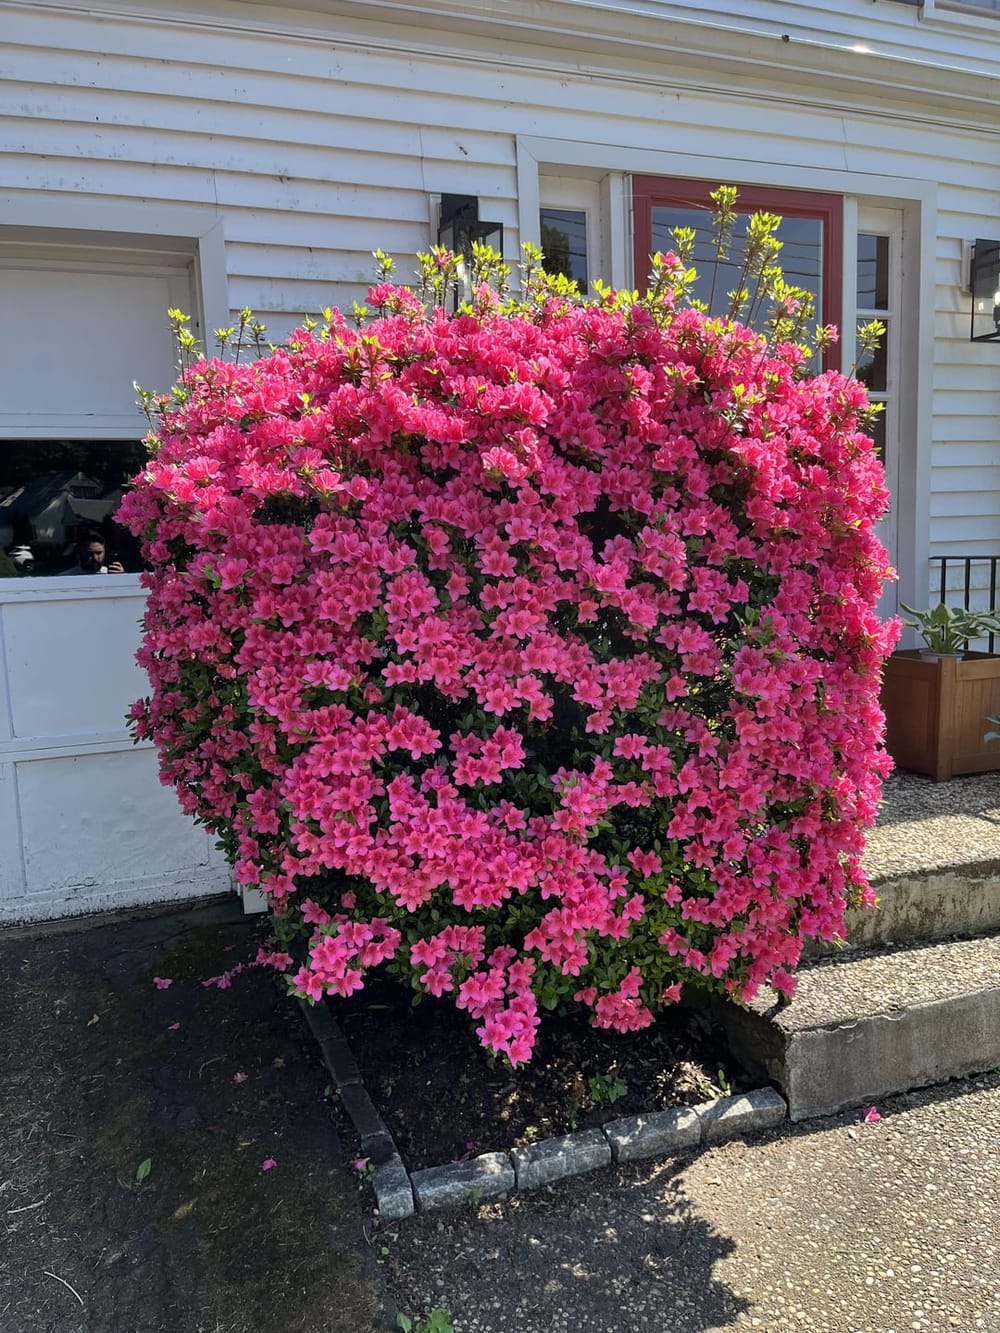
x=84 y=822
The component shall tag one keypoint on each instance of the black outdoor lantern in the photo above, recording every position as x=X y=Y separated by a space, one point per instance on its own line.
x=458 y=228
x=984 y=282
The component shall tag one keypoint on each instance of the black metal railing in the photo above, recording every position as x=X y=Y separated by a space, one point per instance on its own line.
x=980 y=574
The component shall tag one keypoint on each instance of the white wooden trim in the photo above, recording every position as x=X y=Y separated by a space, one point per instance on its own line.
x=849 y=283
x=934 y=14
x=62 y=747
x=51 y=218
x=617 y=192
x=551 y=155
x=69 y=587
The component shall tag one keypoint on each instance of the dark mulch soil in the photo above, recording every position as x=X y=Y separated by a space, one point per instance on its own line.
x=444 y=1097
x=136 y=1121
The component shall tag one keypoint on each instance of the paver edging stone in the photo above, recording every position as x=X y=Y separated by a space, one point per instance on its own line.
x=399 y=1193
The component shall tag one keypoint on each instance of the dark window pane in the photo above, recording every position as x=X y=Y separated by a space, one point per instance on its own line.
x=873 y=272
x=52 y=491
x=877 y=432
x=800 y=258
x=873 y=368
x=564 y=243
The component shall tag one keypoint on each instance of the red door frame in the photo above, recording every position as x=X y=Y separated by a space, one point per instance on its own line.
x=648 y=191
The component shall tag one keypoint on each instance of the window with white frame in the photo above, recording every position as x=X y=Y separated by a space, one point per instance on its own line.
x=79 y=326
x=570 y=230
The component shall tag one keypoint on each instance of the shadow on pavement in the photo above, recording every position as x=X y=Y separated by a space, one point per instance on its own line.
x=621 y=1249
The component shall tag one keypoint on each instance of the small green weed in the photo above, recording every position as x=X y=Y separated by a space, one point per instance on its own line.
x=141 y=1172
x=438 y=1321
x=606 y=1089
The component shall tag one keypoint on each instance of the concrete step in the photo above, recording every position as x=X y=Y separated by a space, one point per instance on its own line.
x=863 y=1026
x=922 y=906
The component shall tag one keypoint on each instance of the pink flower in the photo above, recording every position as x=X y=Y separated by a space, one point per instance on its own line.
x=556 y=627
x=163 y=983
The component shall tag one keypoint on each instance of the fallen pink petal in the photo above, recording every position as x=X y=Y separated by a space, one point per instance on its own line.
x=268 y=1164
x=871 y=1116
x=163 y=983
x=361 y=1163
x=173 y=1027
x=240 y=1077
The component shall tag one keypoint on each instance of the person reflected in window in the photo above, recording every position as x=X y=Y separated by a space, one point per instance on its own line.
x=92 y=556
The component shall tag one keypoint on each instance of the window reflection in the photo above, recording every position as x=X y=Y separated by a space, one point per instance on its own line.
x=800 y=258
x=564 y=244
x=53 y=492
x=873 y=272
x=873 y=367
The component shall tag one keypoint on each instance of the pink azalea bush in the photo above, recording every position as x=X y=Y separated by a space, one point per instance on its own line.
x=531 y=651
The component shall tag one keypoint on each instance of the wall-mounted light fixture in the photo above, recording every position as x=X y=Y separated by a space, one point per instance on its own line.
x=984 y=283
x=458 y=227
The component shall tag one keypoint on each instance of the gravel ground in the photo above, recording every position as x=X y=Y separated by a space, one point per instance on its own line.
x=844 y=989
x=925 y=826
x=831 y=1226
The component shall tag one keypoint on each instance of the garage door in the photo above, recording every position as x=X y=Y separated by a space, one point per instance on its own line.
x=84 y=823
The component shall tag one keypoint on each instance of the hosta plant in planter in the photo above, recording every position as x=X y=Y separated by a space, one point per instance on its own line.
x=529 y=651
x=935 y=698
x=948 y=629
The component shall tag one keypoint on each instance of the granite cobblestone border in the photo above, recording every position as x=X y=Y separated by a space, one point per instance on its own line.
x=400 y=1193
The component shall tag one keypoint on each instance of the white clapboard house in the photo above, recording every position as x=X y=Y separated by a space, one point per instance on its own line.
x=217 y=154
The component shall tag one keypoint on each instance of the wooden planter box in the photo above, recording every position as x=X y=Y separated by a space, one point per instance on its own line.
x=936 y=709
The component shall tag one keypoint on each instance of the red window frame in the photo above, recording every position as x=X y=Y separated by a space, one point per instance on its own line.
x=649 y=191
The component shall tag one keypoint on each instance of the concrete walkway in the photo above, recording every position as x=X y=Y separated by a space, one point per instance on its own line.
x=926 y=826
x=835 y=1226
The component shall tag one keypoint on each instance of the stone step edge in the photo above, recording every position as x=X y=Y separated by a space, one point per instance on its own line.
x=920 y=907
x=400 y=1193
x=917 y=1046
x=828 y=976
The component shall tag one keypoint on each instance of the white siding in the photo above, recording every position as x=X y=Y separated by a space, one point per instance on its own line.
x=318 y=144
x=330 y=137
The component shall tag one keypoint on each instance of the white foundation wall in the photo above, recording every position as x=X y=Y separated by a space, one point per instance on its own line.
x=85 y=825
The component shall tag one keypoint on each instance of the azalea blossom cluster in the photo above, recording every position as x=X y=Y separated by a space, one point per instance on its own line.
x=530 y=652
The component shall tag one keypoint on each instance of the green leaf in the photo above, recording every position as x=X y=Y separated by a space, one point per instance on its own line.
x=143 y=1170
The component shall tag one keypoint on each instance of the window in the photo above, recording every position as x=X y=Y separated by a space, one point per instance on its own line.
x=54 y=493
x=564 y=243
x=875 y=302
x=811 y=233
